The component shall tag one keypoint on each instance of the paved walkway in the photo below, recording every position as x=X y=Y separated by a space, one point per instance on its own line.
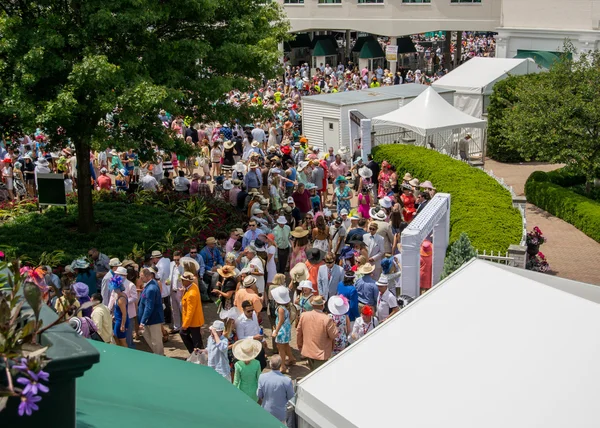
x=570 y=253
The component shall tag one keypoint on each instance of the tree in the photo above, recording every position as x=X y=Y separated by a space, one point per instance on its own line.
x=96 y=73
x=460 y=252
x=557 y=116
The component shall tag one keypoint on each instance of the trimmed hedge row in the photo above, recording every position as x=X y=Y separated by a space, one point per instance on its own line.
x=480 y=206
x=545 y=191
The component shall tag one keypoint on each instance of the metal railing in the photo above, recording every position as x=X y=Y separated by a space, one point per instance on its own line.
x=497 y=258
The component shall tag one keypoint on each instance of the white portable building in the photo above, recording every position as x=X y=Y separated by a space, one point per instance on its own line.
x=474 y=81
x=325 y=118
x=490 y=346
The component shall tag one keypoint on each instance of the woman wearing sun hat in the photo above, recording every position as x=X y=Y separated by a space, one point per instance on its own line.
x=226 y=287
x=247 y=368
x=298 y=254
x=283 y=326
x=338 y=308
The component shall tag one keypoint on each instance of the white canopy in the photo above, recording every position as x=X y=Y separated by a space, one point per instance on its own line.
x=429 y=114
x=490 y=346
x=478 y=75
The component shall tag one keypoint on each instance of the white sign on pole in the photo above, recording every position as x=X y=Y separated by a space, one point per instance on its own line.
x=391 y=52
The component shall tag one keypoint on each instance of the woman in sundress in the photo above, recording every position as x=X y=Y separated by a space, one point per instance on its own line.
x=338 y=308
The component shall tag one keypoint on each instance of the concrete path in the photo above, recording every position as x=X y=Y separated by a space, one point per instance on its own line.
x=570 y=253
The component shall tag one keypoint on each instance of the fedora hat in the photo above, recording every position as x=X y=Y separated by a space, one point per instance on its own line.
x=414 y=182
x=80 y=264
x=365 y=172
x=252 y=165
x=338 y=305
x=114 y=262
x=246 y=349
x=121 y=271
x=427 y=185
x=383 y=281
x=249 y=281
x=211 y=240
x=366 y=269
x=188 y=276
x=217 y=325
x=317 y=301
x=299 y=272
x=377 y=214
x=282 y=220
x=281 y=295
x=406 y=186
x=407 y=177
x=299 y=232
x=315 y=255
x=156 y=253
x=229 y=144
x=254 y=144
x=226 y=271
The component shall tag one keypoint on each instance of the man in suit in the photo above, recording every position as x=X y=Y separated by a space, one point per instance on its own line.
x=375 y=247
x=422 y=201
x=329 y=276
x=315 y=334
x=150 y=311
x=374 y=167
x=384 y=229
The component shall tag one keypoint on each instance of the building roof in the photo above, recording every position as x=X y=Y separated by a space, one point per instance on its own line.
x=383 y=93
x=490 y=346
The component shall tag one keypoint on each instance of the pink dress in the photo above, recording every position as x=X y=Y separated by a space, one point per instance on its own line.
x=298 y=256
x=364 y=205
x=383 y=177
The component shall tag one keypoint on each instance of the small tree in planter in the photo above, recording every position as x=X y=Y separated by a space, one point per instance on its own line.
x=460 y=252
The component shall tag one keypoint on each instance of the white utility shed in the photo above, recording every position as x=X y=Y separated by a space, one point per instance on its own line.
x=490 y=346
x=474 y=81
x=325 y=119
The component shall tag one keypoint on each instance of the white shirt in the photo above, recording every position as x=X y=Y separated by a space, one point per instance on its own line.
x=175 y=273
x=164 y=269
x=361 y=328
x=247 y=327
x=104 y=288
x=181 y=184
x=337 y=235
x=148 y=182
x=257 y=263
x=385 y=303
x=132 y=298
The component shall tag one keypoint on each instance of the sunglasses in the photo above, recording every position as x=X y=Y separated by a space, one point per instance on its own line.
x=329 y=262
x=372 y=229
x=193 y=252
x=252 y=225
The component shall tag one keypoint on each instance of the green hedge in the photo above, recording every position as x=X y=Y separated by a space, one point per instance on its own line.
x=480 y=206
x=545 y=191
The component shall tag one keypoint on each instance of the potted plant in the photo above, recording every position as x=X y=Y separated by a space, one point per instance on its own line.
x=535 y=238
x=538 y=263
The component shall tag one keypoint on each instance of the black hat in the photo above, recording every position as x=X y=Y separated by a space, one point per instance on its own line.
x=314 y=255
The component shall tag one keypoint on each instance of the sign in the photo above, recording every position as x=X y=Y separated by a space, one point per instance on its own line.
x=391 y=52
x=51 y=189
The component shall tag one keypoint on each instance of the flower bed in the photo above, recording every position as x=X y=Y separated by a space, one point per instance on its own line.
x=480 y=206
x=143 y=219
x=546 y=191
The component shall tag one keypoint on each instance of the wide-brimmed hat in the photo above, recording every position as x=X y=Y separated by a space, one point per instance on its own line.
x=188 y=276
x=377 y=214
x=121 y=271
x=282 y=220
x=42 y=162
x=80 y=289
x=114 y=262
x=252 y=165
x=226 y=271
x=426 y=249
x=427 y=185
x=255 y=144
x=338 y=305
x=366 y=269
x=365 y=172
x=239 y=167
x=229 y=144
x=246 y=349
x=341 y=179
x=80 y=264
x=315 y=255
x=227 y=185
x=299 y=272
x=217 y=325
x=281 y=295
x=7 y=160
x=299 y=232
x=211 y=240
x=249 y=281
x=317 y=301
x=386 y=202
x=407 y=177
x=304 y=284
x=156 y=253
x=414 y=182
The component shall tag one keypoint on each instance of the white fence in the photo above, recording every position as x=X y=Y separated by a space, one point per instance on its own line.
x=497 y=258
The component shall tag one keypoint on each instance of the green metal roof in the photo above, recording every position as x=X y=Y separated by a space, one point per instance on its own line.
x=544 y=59
x=371 y=49
x=325 y=47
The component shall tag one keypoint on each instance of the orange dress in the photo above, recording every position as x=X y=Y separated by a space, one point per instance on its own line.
x=409 y=206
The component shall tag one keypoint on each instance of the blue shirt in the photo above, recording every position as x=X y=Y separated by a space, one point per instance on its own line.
x=350 y=293
x=250 y=236
x=367 y=291
x=275 y=390
x=212 y=257
x=217 y=356
x=150 y=309
x=200 y=261
x=253 y=179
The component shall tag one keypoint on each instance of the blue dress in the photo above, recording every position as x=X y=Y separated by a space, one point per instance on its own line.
x=118 y=317
x=284 y=335
x=339 y=194
x=350 y=293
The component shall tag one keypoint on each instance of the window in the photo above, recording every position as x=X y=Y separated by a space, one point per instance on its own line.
x=329 y=1
x=416 y=1
x=293 y=1
x=369 y=1
x=465 y=1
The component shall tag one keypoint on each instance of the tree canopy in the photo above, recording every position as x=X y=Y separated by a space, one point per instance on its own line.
x=557 y=116
x=97 y=72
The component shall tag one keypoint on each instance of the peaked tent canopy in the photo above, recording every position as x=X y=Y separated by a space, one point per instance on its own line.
x=545 y=59
x=490 y=346
x=429 y=114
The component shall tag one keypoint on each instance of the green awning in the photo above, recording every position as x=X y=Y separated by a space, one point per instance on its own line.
x=325 y=47
x=139 y=389
x=405 y=45
x=371 y=49
x=359 y=43
x=545 y=59
x=300 y=40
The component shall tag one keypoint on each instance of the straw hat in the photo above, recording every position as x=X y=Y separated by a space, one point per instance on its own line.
x=188 y=276
x=249 y=281
x=281 y=295
x=377 y=214
x=427 y=185
x=299 y=272
x=114 y=262
x=317 y=301
x=227 y=185
x=365 y=172
x=156 y=254
x=383 y=281
x=229 y=144
x=282 y=220
x=299 y=232
x=315 y=255
x=211 y=240
x=239 y=167
x=226 y=271
x=414 y=182
x=366 y=269
x=254 y=144
x=338 y=305
x=246 y=349
x=121 y=271
x=407 y=177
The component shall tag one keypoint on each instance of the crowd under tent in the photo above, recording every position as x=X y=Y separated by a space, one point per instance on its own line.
x=429 y=121
x=490 y=346
x=325 y=117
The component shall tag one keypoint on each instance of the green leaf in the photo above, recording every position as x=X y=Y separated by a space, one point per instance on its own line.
x=33 y=295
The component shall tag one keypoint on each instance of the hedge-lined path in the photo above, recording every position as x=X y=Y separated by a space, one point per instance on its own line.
x=571 y=253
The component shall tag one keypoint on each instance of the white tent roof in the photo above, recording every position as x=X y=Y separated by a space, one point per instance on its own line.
x=490 y=346
x=429 y=114
x=479 y=74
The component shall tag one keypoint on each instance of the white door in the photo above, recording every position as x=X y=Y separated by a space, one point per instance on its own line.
x=331 y=134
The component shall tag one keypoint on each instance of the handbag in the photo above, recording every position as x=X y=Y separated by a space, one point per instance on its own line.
x=94 y=335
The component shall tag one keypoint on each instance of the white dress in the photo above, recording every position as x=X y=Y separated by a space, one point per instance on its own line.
x=271 y=266
x=272 y=136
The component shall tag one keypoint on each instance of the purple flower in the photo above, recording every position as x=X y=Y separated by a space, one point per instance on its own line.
x=32 y=386
x=23 y=366
x=27 y=405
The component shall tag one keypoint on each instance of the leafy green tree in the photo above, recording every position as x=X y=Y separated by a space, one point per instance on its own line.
x=557 y=117
x=460 y=252
x=96 y=73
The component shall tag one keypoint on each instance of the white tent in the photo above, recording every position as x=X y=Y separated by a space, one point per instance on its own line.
x=474 y=80
x=429 y=114
x=490 y=346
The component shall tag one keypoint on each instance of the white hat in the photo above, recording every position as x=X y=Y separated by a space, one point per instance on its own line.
x=365 y=172
x=121 y=271
x=281 y=295
x=281 y=220
x=386 y=202
x=338 y=306
x=327 y=212
x=227 y=185
x=246 y=349
x=249 y=281
x=302 y=165
x=239 y=167
x=304 y=284
x=382 y=281
x=218 y=325
x=103 y=170
x=114 y=262
x=377 y=215
x=257 y=211
x=114 y=152
x=344 y=212
x=254 y=144
x=290 y=200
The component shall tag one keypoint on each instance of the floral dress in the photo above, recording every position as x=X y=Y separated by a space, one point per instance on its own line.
x=341 y=340
x=284 y=335
x=342 y=204
x=298 y=256
x=383 y=177
x=305 y=305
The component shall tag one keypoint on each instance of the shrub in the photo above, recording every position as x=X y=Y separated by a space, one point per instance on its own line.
x=583 y=213
x=480 y=206
x=459 y=253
